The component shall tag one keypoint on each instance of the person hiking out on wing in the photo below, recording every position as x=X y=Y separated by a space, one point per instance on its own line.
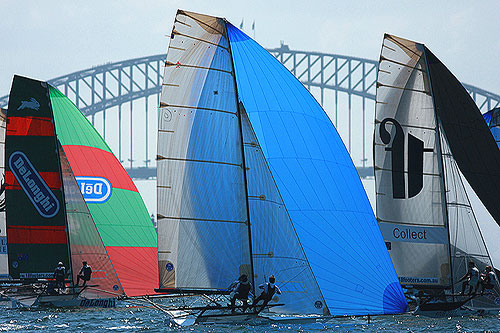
x=84 y=274
x=240 y=290
x=268 y=291
x=471 y=279
x=487 y=279
x=60 y=275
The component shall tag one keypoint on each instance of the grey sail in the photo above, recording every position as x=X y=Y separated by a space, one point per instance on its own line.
x=466 y=240
x=202 y=214
x=443 y=140
x=410 y=204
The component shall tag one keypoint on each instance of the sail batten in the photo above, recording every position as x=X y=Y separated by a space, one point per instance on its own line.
x=200 y=176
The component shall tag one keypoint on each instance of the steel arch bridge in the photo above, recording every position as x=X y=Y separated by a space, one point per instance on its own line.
x=121 y=100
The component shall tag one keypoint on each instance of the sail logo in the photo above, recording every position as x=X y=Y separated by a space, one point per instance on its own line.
x=413 y=234
x=94 y=189
x=415 y=160
x=31 y=104
x=40 y=195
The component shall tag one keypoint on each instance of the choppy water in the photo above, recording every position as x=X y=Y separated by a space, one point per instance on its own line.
x=124 y=318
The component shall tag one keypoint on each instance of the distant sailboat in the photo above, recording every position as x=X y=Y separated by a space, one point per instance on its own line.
x=433 y=154
x=57 y=168
x=492 y=118
x=254 y=179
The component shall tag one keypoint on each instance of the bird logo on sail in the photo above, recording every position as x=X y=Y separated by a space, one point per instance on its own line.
x=31 y=104
x=415 y=160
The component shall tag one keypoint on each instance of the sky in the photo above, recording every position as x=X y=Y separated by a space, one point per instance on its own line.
x=46 y=39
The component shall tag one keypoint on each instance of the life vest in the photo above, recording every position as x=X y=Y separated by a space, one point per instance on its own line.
x=243 y=289
x=59 y=273
x=490 y=278
x=474 y=274
x=270 y=290
x=87 y=272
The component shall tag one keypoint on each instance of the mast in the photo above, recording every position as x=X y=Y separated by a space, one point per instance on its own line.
x=63 y=204
x=441 y=169
x=243 y=159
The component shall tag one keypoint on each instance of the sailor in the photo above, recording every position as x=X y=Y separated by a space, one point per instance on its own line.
x=487 y=279
x=84 y=274
x=240 y=290
x=471 y=279
x=268 y=291
x=60 y=275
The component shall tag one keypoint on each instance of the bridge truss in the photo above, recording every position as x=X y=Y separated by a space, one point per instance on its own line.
x=121 y=100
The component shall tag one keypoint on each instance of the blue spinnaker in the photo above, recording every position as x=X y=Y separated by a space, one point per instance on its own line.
x=319 y=185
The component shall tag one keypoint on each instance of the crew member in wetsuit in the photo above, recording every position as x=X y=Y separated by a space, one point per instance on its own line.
x=269 y=289
x=240 y=290
x=471 y=279
x=84 y=274
x=60 y=275
x=487 y=279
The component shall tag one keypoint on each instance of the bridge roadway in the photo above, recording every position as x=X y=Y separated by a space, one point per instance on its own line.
x=344 y=85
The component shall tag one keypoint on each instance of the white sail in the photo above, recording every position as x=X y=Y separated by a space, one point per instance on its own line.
x=4 y=265
x=202 y=213
x=410 y=202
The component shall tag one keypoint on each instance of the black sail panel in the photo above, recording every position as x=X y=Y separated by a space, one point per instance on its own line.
x=36 y=223
x=469 y=138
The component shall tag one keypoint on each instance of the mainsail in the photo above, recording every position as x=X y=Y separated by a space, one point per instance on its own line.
x=35 y=210
x=111 y=198
x=424 y=170
x=202 y=208
x=253 y=178
x=47 y=217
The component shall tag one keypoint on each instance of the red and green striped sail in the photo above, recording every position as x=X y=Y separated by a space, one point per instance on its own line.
x=112 y=199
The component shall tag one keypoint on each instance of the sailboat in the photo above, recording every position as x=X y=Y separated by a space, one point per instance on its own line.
x=254 y=179
x=436 y=167
x=492 y=119
x=62 y=187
